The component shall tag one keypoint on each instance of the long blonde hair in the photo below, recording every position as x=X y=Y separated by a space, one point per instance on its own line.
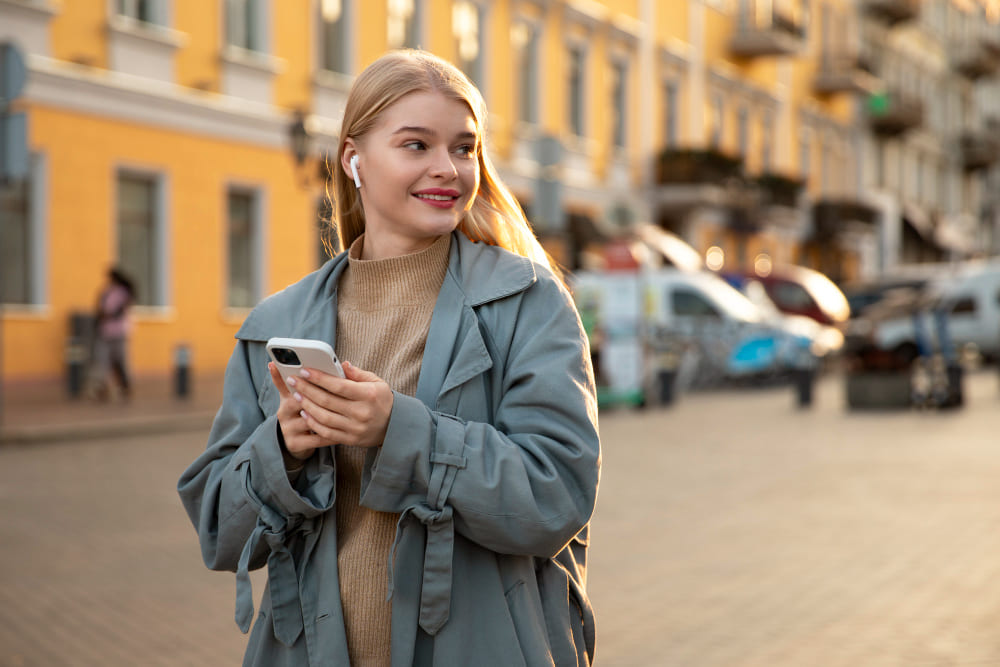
x=495 y=218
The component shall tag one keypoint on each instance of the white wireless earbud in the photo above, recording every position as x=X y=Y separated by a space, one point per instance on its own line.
x=354 y=170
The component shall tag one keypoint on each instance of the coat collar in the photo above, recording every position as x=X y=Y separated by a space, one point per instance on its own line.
x=477 y=274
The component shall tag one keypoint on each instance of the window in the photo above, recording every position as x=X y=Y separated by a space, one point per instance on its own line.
x=139 y=234
x=145 y=11
x=964 y=306
x=18 y=241
x=467 y=29
x=246 y=24
x=524 y=38
x=691 y=303
x=334 y=19
x=575 y=89
x=670 y=110
x=619 y=102
x=404 y=24
x=717 y=120
x=244 y=241
x=766 y=139
x=743 y=131
x=790 y=296
x=805 y=153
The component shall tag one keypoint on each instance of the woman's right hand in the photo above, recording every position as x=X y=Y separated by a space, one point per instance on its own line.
x=300 y=441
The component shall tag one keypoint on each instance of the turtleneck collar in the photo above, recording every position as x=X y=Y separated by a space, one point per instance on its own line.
x=372 y=284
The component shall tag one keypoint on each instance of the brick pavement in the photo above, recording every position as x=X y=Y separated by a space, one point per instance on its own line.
x=736 y=531
x=732 y=529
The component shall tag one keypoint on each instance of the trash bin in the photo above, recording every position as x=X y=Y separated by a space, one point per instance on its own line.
x=182 y=371
x=77 y=352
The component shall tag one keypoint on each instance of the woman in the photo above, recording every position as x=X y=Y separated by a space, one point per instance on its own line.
x=111 y=344
x=430 y=508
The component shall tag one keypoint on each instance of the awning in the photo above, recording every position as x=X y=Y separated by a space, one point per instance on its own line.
x=675 y=250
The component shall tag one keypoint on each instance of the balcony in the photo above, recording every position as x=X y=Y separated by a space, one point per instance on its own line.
x=832 y=216
x=845 y=73
x=980 y=149
x=892 y=113
x=974 y=59
x=693 y=165
x=892 y=12
x=688 y=177
x=772 y=33
x=779 y=190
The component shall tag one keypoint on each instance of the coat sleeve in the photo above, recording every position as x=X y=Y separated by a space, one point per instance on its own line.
x=526 y=482
x=240 y=478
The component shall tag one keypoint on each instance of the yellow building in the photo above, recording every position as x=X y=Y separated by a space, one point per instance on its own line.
x=183 y=140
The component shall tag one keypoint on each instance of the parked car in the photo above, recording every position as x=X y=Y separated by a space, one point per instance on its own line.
x=826 y=340
x=724 y=335
x=862 y=294
x=799 y=290
x=903 y=325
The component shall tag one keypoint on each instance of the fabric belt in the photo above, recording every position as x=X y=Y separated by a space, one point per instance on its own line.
x=436 y=516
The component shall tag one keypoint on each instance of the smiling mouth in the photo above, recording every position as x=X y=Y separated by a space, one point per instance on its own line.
x=438 y=197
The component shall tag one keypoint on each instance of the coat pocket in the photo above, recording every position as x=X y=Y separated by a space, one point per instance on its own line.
x=526 y=613
x=568 y=619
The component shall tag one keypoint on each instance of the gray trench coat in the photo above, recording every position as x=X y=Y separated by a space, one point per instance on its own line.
x=493 y=466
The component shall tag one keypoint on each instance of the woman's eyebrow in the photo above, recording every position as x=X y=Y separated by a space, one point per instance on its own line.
x=416 y=129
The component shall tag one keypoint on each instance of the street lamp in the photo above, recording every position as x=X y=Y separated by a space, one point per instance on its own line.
x=300 y=138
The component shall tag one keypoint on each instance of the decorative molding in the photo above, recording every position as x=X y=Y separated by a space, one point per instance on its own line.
x=101 y=93
x=143 y=49
x=26 y=24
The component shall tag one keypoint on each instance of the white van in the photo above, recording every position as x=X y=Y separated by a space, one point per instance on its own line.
x=969 y=295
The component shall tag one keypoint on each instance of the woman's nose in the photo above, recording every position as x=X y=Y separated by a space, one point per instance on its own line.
x=442 y=164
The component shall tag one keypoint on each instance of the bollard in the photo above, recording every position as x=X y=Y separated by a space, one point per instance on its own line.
x=666 y=379
x=182 y=371
x=804 y=378
x=954 y=396
x=76 y=358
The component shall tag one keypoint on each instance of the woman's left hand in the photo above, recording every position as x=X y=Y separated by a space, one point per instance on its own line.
x=351 y=411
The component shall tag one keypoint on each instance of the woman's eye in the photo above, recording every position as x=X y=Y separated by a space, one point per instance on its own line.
x=414 y=145
x=467 y=150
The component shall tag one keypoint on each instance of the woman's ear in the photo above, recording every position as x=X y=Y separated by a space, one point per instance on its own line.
x=350 y=161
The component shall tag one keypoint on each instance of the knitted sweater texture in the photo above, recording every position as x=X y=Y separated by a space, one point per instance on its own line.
x=383 y=315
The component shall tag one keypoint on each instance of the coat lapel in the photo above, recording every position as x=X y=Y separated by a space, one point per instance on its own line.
x=455 y=350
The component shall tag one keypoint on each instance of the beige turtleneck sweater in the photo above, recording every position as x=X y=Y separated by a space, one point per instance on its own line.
x=383 y=314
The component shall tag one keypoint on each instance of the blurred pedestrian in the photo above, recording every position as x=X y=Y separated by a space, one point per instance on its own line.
x=111 y=344
x=432 y=507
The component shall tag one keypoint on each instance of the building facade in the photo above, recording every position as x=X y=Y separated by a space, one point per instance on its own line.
x=185 y=140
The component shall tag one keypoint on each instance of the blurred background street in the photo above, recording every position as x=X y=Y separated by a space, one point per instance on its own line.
x=780 y=221
x=732 y=529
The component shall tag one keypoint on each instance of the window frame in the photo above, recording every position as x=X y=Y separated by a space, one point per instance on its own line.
x=256 y=279
x=479 y=65
x=36 y=223
x=528 y=70
x=414 y=33
x=345 y=27
x=257 y=35
x=159 y=254
x=576 y=111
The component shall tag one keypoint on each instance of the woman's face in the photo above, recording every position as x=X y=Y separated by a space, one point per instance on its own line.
x=419 y=172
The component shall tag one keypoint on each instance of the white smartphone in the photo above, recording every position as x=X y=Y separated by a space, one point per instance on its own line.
x=291 y=355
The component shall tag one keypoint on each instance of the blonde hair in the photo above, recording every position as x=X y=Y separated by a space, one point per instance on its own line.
x=495 y=218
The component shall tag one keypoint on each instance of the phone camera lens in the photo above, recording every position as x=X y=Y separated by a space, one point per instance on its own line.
x=285 y=356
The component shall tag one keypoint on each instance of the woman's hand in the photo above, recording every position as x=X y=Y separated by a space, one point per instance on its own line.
x=322 y=409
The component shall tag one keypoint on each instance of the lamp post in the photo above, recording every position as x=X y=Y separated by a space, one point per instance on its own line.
x=300 y=140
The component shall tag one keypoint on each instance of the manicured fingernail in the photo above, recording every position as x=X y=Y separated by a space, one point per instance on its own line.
x=291 y=382
x=304 y=373
x=298 y=397
x=302 y=413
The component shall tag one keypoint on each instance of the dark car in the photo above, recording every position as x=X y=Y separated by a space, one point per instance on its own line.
x=798 y=290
